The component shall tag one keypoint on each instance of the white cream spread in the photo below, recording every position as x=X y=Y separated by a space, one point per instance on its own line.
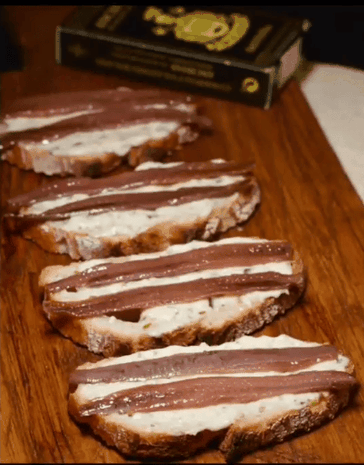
x=157 y=321
x=92 y=224
x=118 y=141
x=130 y=223
x=68 y=270
x=283 y=341
x=184 y=107
x=147 y=165
x=87 y=293
x=41 y=207
x=98 y=390
x=214 y=418
x=30 y=122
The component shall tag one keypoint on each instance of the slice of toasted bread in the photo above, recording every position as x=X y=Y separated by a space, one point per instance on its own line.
x=91 y=133
x=186 y=294
x=142 y=211
x=245 y=394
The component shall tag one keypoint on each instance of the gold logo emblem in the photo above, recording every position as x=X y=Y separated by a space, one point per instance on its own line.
x=250 y=85
x=216 y=31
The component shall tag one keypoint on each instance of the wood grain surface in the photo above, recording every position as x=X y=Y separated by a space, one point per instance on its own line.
x=306 y=199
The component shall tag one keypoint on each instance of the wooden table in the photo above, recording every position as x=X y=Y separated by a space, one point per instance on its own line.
x=306 y=199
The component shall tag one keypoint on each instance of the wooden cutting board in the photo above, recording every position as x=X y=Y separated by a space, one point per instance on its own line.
x=306 y=199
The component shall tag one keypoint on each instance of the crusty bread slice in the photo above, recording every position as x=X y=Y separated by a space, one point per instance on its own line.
x=188 y=293
x=91 y=133
x=172 y=402
x=142 y=211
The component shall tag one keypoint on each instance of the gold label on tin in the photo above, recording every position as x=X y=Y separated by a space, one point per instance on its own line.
x=249 y=85
x=217 y=32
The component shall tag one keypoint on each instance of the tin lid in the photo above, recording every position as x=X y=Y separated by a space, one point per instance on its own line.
x=228 y=34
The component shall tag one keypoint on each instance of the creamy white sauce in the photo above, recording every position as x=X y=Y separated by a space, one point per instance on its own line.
x=31 y=122
x=214 y=418
x=129 y=223
x=89 y=292
x=184 y=107
x=147 y=165
x=41 y=207
x=157 y=321
x=234 y=308
x=100 y=390
x=118 y=141
x=242 y=343
x=133 y=222
x=89 y=265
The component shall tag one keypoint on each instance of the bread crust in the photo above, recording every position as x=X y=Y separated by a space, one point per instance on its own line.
x=42 y=161
x=236 y=209
x=242 y=438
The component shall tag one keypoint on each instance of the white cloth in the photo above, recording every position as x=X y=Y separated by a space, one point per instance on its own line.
x=336 y=96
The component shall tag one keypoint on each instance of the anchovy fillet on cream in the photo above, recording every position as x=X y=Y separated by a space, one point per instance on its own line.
x=199 y=288
x=95 y=123
x=201 y=197
x=185 y=390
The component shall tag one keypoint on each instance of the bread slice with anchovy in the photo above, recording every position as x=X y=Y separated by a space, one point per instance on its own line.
x=89 y=133
x=173 y=402
x=186 y=294
x=142 y=211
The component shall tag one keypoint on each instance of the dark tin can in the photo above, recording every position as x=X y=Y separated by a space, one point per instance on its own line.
x=229 y=52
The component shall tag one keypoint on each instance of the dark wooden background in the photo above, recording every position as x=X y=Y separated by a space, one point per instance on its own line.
x=306 y=199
